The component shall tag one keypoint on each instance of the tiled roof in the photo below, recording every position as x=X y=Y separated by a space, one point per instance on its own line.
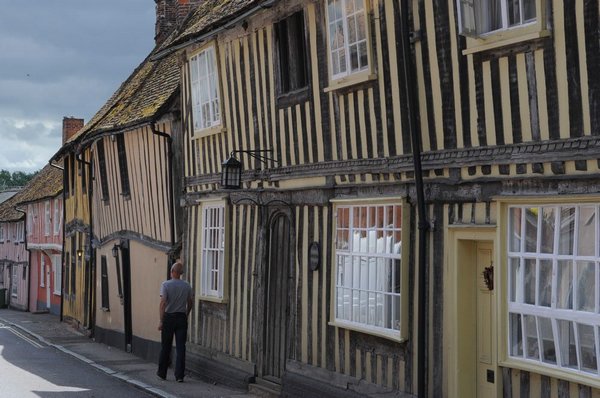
x=211 y=14
x=8 y=212
x=48 y=183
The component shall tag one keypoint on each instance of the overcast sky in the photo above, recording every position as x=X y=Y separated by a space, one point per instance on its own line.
x=62 y=58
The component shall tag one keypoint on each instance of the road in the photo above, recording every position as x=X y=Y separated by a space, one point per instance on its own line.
x=29 y=368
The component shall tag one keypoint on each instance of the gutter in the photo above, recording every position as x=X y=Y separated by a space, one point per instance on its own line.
x=412 y=104
x=170 y=50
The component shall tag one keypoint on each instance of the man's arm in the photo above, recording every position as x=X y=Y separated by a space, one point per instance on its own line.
x=190 y=304
x=161 y=311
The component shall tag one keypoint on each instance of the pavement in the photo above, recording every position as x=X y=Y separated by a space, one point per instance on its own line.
x=124 y=366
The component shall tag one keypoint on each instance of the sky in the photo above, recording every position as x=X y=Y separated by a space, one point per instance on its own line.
x=62 y=58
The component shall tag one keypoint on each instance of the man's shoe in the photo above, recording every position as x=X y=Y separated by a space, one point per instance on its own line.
x=160 y=376
x=180 y=380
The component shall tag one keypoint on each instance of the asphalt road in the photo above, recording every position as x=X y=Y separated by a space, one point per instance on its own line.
x=29 y=368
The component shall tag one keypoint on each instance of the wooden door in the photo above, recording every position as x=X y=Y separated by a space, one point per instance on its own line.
x=486 y=325
x=277 y=306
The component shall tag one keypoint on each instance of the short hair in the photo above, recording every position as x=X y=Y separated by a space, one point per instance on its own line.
x=177 y=268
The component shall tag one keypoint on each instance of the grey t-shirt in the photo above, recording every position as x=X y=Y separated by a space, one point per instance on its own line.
x=176 y=292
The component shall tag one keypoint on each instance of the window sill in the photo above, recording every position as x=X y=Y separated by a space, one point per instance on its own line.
x=209 y=131
x=126 y=195
x=213 y=299
x=350 y=80
x=105 y=309
x=503 y=39
x=390 y=335
x=535 y=367
x=56 y=293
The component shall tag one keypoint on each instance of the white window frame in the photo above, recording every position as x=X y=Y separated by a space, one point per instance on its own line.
x=14 y=282
x=212 y=262
x=57 y=272
x=518 y=258
x=386 y=312
x=20 y=232
x=47 y=218
x=474 y=24
x=43 y=270
x=205 y=89
x=331 y=20
x=2 y=233
x=30 y=220
x=57 y=217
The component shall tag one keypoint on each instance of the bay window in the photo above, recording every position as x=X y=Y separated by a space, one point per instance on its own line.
x=370 y=277
x=554 y=286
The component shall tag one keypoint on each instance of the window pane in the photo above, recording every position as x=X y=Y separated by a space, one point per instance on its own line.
x=515 y=281
x=493 y=17
x=547 y=336
x=531 y=218
x=514 y=12
x=586 y=232
x=528 y=10
x=545 y=283
x=587 y=342
x=564 y=284
x=547 y=233
x=533 y=351
x=515 y=229
x=529 y=281
x=353 y=57
x=586 y=282
x=516 y=336
x=567 y=230
x=566 y=340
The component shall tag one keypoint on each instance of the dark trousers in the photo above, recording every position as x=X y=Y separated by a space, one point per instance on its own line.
x=173 y=324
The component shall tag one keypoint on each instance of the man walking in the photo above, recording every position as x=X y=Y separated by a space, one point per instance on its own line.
x=176 y=302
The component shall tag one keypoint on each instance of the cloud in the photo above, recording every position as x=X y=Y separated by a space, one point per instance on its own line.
x=62 y=58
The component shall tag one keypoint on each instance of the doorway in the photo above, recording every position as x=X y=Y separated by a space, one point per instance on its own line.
x=471 y=319
x=277 y=299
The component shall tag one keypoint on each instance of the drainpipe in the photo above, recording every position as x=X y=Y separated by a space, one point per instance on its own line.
x=62 y=252
x=412 y=104
x=28 y=258
x=170 y=182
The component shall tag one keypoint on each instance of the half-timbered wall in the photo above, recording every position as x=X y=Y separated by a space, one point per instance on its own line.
x=490 y=122
x=77 y=271
x=144 y=212
x=15 y=259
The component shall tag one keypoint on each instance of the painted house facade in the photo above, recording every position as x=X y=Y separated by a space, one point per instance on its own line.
x=14 y=258
x=42 y=202
x=130 y=147
x=307 y=277
x=77 y=267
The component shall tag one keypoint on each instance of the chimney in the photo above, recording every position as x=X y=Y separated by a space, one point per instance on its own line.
x=169 y=16
x=71 y=125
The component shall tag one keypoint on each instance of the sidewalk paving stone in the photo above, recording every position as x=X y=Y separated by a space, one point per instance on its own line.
x=136 y=371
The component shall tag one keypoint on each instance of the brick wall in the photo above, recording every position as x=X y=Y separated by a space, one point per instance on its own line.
x=71 y=125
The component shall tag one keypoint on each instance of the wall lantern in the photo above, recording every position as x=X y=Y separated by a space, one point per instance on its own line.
x=79 y=253
x=115 y=250
x=231 y=170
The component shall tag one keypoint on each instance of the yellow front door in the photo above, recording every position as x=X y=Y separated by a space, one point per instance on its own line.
x=486 y=325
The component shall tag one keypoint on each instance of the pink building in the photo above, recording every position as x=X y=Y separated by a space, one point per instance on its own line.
x=14 y=258
x=43 y=204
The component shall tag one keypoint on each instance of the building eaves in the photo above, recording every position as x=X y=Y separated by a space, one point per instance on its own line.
x=47 y=183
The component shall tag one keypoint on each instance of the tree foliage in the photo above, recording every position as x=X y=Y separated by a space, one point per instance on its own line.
x=15 y=179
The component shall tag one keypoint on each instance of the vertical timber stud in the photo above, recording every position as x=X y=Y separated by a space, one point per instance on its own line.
x=412 y=103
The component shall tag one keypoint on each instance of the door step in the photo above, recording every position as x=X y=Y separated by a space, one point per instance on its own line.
x=265 y=389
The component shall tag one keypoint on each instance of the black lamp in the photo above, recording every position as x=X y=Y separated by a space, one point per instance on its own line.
x=115 y=251
x=231 y=173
